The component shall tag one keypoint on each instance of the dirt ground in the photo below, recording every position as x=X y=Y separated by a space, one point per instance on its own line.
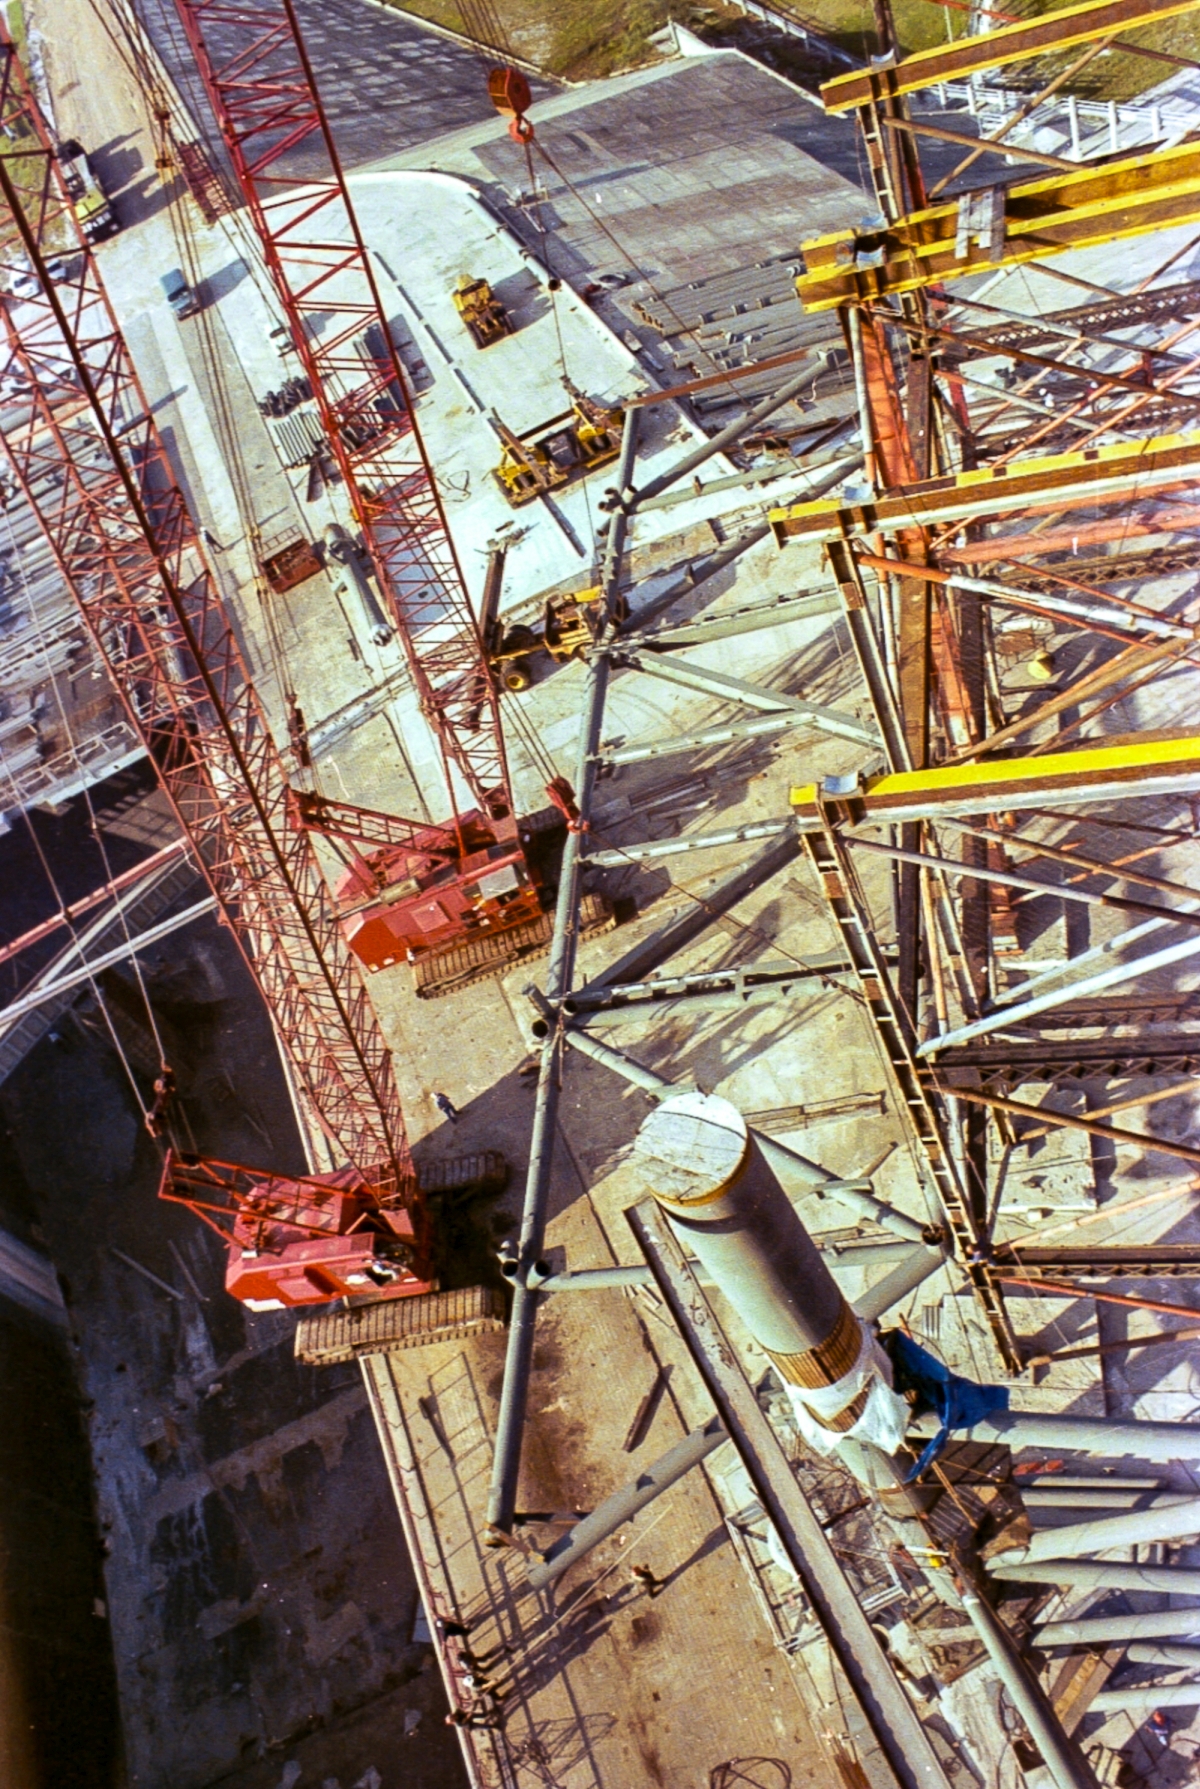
x=244 y=1568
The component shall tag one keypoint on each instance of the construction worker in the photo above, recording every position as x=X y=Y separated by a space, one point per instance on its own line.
x=164 y=1092
x=645 y=1577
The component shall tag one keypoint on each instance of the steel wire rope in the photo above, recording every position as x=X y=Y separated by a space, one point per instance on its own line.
x=73 y=747
x=530 y=738
x=234 y=460
x=488 y=31
x=253 y=256
x=684 y=328
x=138 y=64
x=69 y=922
x=554 y=283
x=139 y=60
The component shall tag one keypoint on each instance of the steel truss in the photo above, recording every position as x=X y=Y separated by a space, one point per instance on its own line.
x=261 y=86
x=946 y=488
x=85 y=452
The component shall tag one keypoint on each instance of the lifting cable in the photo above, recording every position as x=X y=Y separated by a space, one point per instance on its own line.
x=93 y=984
x=684 y=329
x=138 y=57
x=73 y=746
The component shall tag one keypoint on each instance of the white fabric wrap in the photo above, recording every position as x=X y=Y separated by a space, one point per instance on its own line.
x=885 y=1415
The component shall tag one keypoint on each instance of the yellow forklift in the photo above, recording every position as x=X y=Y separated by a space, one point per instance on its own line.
x=583 y=437
x=483 y=314
x=570 y=624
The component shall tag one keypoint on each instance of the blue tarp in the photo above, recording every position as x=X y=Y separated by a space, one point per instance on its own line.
x=956 y=1402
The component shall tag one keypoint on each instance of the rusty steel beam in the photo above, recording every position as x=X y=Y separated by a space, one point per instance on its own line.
x=969 y=871
x=1052 y=482
x=1072 y=1289
x=1069 y=540
x=1017 y=152
x=1098 y=205
x=1159 y=1260
x=1111 y=1133
x=1102 y=379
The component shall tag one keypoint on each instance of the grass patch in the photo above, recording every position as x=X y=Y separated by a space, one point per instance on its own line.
x=582 y=40
x=578 y=40
x=14 y=18
x=921 y=24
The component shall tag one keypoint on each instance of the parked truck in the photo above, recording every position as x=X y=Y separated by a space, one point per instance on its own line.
x=97 y=219
x=179 y=294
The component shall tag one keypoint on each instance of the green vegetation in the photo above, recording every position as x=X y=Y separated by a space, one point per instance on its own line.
x=582 y=40
x=1115 y=74
x=920 y=24
x=14 y=17
x=578 y=40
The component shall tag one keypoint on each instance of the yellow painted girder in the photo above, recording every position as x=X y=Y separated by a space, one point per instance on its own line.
x=1064 y=30
x=1121 y=470
x=1042 y=217
x=1108 y=773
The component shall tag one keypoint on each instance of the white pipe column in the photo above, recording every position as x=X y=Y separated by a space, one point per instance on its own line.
x=1083 y=1538
x=1089 y=1574
x=696 y=1157
x=1062 y=1758
x=1096 y=1630
x=1100 y=1436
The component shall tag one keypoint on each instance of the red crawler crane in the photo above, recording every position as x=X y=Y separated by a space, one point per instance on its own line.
x=488 y=907
x=303 y=1238
x=86 y=456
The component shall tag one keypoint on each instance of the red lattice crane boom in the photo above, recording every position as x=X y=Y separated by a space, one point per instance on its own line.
x=86 y=455
x=264 y=96
x=260 y=84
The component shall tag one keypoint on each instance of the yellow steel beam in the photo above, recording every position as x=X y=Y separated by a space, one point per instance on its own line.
x=1042 y=217
x=1060 y=779
x=1127 y=469
x=993 y=49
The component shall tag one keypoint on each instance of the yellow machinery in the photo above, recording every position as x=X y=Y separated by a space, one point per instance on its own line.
x=570 y=623
x=485 y=317
x=585 y=436
x=567 y=629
